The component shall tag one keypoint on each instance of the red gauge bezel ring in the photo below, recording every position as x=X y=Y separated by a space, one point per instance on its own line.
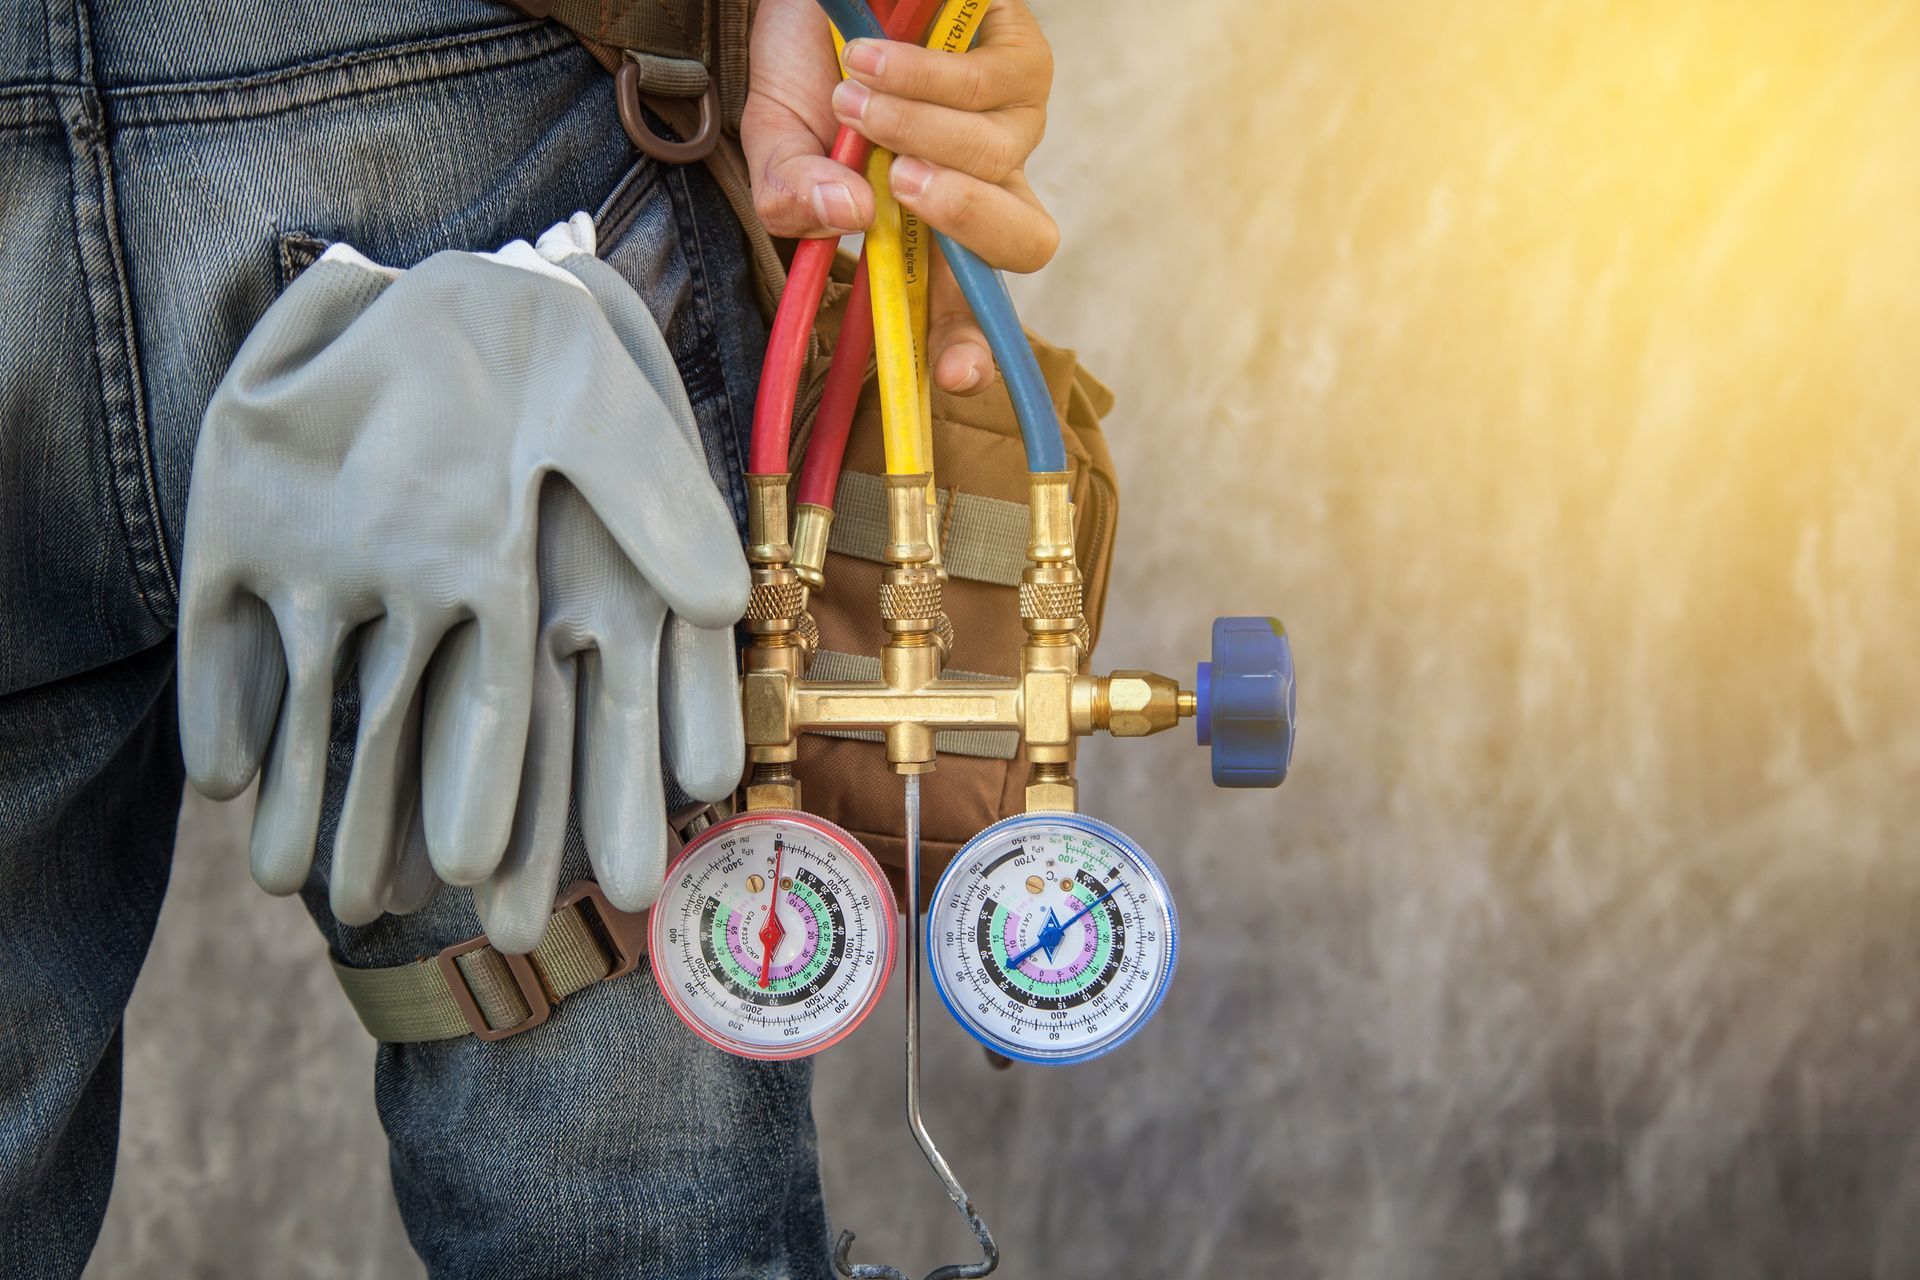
x=889 y=908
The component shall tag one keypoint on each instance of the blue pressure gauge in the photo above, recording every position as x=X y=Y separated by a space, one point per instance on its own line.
x=1052 y=937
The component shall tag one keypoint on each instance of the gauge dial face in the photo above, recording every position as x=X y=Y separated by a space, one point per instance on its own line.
x=773 y=935
x=1052 y=937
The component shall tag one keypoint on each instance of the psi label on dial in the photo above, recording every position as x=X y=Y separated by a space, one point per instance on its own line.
x=1053 y=937
x=773 y=936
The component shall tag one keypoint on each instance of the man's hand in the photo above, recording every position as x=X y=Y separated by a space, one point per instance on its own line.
x=961 y=127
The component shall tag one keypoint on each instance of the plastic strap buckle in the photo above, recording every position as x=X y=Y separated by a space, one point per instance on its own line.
x=525 y=976
x=624 y=933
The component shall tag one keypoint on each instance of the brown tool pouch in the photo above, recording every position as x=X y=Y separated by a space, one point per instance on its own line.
x=981 y=469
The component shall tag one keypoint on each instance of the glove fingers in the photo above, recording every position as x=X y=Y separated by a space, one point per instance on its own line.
x=414 y=882
x=232 y=676
x=516 y=901
x=684 y=544
x=700 y=728
x=478 y=700
x=622 y=808
x=286 y=818
x=384 y=785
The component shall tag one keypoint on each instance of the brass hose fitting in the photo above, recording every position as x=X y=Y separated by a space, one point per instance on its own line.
x=943 y=636
x=907 y=523
x=812 y=524
x=767 y=520
x=1129 y=704
x=1050 y=531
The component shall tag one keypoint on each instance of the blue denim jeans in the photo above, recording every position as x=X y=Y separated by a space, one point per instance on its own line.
x=165 y=168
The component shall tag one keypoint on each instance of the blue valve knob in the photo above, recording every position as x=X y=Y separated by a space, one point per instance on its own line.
x=1245 y=701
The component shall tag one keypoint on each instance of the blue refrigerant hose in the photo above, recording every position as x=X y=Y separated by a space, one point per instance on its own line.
x=987 y=294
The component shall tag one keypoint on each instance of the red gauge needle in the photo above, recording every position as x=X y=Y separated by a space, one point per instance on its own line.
x=771 y=932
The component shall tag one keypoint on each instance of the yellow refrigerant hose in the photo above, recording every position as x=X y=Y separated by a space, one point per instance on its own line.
x=899 y=316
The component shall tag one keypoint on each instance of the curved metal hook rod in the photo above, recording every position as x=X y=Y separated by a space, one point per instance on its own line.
x=990 y=1252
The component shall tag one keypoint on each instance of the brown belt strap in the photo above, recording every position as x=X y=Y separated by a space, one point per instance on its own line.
x=678 y=46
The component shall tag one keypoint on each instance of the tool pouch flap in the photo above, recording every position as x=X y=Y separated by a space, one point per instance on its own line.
x=981 y=472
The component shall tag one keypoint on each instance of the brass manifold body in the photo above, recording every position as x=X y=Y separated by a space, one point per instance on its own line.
x=1050 y=703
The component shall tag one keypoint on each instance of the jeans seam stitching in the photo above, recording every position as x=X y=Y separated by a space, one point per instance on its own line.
x=129 y=452
x=618 y=209
x=703 y=308
x=329 y=62
x=308 y=84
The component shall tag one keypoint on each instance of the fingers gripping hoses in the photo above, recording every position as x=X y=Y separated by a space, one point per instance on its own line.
x=806 y=281
x=986 y=293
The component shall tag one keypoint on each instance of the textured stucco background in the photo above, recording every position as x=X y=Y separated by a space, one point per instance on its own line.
x=1551 y=369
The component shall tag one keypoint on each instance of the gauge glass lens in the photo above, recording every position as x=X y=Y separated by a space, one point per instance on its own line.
x=1052 y=937
x=773 y=935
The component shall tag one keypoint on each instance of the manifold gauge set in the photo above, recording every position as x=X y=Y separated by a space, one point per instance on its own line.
x=1052 y=937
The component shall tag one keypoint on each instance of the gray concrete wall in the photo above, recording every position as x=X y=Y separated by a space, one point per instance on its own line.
x=1550 y=369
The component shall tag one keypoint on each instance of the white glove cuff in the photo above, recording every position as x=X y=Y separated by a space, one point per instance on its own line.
x=567 y=237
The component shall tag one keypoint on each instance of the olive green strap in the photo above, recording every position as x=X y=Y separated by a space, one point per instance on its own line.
x=985 y=539
x=472 y=989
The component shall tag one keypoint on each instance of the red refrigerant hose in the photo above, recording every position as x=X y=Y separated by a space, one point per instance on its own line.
x=806 y=282
x=820 y=474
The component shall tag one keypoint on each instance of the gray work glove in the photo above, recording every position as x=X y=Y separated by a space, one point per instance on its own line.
x=368 y=489
x=602 y=654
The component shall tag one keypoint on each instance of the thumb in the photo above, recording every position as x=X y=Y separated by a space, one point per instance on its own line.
x=787 y=125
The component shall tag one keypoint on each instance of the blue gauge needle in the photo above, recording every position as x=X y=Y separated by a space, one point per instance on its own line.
x=1054 y=930
x=1051 y=933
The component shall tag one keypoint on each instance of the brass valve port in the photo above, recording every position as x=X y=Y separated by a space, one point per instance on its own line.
x=773 y=786
x=1051 y=788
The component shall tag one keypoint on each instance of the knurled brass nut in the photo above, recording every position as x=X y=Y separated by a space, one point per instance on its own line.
x=1050 y=600
x=767 y=601
x=910 y=600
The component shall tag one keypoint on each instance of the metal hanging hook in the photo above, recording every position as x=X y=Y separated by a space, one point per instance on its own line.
x=990 y=1252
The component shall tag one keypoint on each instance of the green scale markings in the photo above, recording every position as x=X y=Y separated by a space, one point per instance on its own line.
x=747 y=985
x=1058 y=994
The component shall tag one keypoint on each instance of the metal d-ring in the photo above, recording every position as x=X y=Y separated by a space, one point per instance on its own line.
x=990 y=1252
x=626 y=97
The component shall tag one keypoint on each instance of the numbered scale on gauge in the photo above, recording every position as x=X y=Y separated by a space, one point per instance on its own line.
x=1052 y=937
x=773 y=935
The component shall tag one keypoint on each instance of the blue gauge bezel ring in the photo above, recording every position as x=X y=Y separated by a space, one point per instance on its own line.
x=1101 y=830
